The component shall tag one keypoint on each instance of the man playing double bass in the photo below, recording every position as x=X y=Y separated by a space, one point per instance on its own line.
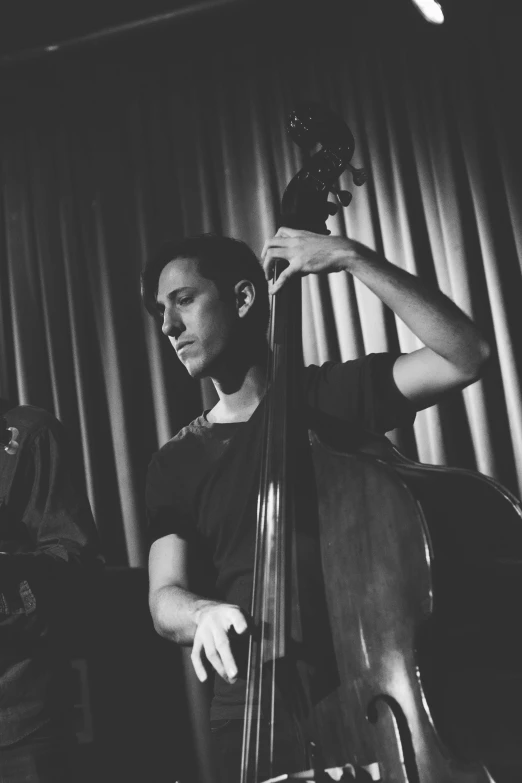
x=211 y=295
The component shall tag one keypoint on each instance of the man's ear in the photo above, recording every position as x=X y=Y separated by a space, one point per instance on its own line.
x=245 y=294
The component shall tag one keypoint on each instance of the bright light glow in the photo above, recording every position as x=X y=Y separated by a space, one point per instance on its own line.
x=430 y=10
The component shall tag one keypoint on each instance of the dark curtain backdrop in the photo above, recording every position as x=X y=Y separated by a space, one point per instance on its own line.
x=107 y=153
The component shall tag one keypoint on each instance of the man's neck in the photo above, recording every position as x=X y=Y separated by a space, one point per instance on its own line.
x=238 y=403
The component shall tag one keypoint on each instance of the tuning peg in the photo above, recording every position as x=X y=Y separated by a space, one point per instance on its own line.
x=343 y=196
x=358 y=175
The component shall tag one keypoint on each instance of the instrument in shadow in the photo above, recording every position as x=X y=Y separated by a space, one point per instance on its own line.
x=428 y=561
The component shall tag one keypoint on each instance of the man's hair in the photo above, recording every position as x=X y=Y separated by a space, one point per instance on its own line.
x=223 y=260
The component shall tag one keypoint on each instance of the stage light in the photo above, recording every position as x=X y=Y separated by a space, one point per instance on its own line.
x=430 y=9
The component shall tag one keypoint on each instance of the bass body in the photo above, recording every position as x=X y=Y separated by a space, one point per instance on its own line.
x=419 y=563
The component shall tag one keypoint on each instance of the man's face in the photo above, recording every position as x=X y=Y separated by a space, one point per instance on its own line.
x=196 y=319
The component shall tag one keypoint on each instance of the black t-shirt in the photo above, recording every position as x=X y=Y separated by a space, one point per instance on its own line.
x=203 y=484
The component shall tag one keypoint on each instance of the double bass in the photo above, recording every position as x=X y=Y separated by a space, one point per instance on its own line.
x=406 y=553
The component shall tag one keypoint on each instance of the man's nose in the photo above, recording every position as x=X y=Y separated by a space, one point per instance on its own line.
x=172 y=325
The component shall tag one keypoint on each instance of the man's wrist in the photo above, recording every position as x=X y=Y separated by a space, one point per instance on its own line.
x=340 y=260
x=361 y=256
x=200 y=607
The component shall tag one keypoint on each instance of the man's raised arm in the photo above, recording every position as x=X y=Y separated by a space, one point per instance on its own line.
x=455 y=351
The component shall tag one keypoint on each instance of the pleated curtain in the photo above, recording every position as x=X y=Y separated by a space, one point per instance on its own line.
x=103 y=159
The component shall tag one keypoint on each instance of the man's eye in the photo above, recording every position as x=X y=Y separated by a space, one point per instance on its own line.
x=185 y=300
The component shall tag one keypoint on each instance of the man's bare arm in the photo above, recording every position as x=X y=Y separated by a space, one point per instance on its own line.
x=454 y=351
x=187 y=618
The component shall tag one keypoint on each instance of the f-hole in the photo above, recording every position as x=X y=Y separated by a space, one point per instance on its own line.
x=406 y=741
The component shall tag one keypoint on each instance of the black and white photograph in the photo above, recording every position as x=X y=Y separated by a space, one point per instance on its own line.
x=260 y=391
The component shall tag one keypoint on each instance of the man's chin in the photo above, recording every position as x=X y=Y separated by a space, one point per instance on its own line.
x=196 y=371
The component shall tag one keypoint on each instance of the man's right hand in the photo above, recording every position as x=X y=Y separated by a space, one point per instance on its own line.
x=214 y=622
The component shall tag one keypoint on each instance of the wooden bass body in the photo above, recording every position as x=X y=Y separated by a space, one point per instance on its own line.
x=419 y=565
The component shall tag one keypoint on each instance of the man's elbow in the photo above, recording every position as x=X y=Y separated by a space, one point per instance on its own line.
x=160 y=627
x=160 y=616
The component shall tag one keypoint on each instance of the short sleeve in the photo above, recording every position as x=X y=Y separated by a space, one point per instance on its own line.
x=168 y=509
x=361 y=392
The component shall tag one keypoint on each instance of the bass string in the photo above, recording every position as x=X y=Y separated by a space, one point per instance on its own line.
x=262 y=612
